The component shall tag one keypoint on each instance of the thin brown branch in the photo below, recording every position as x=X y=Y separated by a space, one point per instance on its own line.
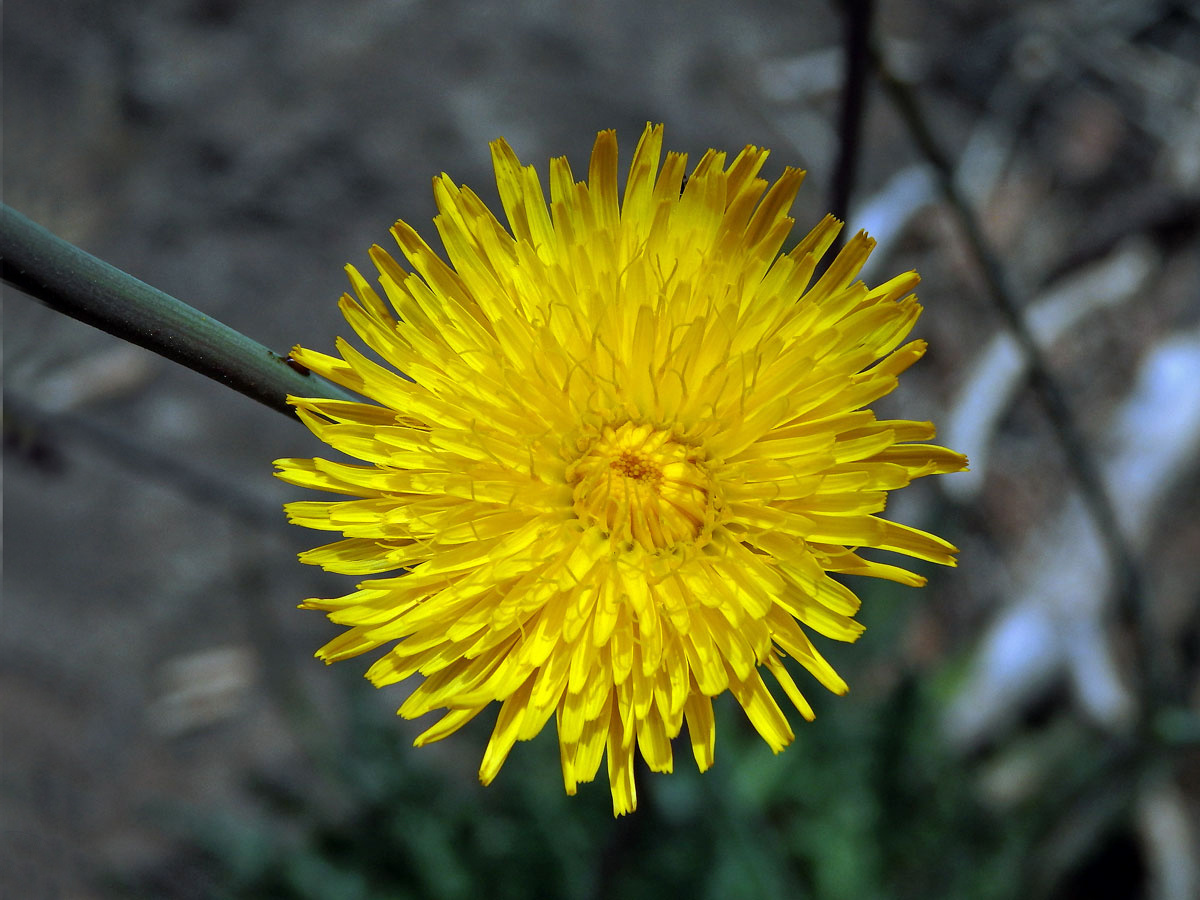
x=1132 y=609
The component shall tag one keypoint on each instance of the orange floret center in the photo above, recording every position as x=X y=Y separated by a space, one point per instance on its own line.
x=642 y=485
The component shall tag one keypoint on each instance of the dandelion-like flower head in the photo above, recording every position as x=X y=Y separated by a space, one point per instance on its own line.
x=615 y=454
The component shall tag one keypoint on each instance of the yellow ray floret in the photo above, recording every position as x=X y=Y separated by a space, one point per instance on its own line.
x=613 y=455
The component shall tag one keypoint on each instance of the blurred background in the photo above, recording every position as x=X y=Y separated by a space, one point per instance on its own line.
x=1022 y=727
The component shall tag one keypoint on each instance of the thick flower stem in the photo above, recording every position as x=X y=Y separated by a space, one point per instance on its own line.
x=78 y=284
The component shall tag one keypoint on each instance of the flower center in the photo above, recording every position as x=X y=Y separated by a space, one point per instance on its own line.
x=639 y=484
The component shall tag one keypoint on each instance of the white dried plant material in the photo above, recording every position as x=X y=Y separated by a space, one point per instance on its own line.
x=1182 y=146
x=1171 y=842
x=983 y=162
x=1056 y=625
x=1019 y=657
x=202 y=689
x=1156 y=434
x=817 y=74
x=802 y=78
x=886 y=214
x=107 y=374
x=988 y=390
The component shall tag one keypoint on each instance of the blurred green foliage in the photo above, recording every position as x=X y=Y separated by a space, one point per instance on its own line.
x=867 y=803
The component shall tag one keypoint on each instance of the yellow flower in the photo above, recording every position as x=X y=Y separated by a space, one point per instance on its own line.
x=629 y=444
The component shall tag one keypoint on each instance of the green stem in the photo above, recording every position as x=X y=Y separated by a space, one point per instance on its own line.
x=78 y=284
